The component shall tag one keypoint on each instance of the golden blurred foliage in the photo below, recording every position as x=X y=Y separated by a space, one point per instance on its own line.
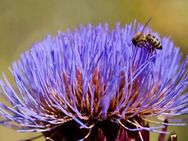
x=25 y=22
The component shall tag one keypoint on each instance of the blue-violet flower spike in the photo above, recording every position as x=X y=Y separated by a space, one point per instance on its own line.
x=93 y=84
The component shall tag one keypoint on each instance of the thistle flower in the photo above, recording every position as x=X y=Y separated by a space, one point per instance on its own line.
x=93 y=84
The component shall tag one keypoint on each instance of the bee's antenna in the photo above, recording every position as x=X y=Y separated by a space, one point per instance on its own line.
x=146 y=24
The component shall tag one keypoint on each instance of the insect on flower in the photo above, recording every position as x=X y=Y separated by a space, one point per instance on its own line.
x=146 y=40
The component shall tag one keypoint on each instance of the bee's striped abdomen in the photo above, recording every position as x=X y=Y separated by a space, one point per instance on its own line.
x=154 y=41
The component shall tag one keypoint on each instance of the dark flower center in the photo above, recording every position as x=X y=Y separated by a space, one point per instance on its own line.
x=106 y=130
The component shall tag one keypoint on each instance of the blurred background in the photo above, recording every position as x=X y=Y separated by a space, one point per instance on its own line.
x=25 y=22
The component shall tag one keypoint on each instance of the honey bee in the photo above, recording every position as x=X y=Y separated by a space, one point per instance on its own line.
x=146 y=40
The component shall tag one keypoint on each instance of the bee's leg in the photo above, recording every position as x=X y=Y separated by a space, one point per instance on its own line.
x=162 y=135
x=148 y=47
x=173 y=137
x=152 y=50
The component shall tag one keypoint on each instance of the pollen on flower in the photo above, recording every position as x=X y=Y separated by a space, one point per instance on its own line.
x=93 y=84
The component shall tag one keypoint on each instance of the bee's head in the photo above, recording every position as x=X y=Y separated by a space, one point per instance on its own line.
x=136 y=39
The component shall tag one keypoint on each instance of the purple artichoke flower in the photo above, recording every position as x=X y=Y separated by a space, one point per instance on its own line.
x=93 y=84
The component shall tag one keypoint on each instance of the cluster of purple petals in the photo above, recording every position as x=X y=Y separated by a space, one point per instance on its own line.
x=39 y=78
